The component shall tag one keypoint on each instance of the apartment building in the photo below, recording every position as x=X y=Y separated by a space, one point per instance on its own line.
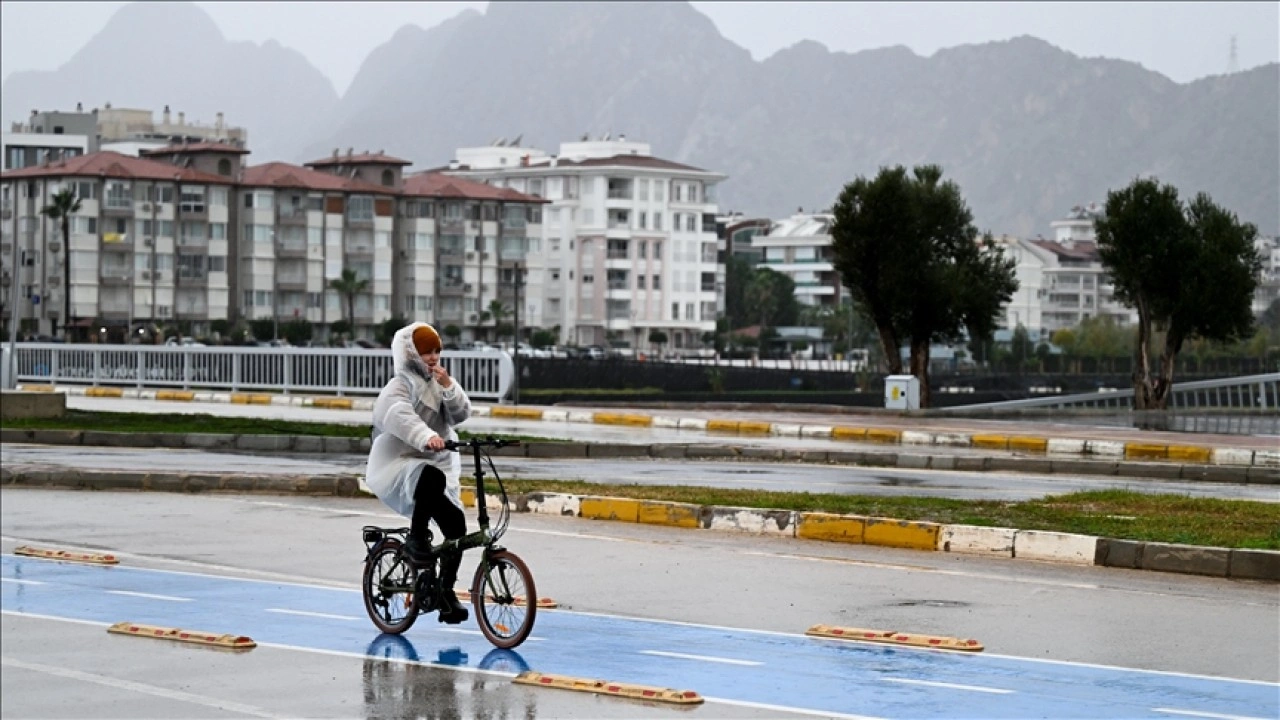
x=800 y=248
x=187 y=232
x=128 y=131
x=131 y=240
x=627 y=244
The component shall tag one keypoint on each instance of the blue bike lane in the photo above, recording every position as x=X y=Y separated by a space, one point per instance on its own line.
x=722 y=664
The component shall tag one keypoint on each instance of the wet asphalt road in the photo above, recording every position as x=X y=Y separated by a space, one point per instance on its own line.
x=668 y=593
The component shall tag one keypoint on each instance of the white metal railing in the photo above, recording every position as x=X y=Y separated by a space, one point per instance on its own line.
x=485 y=375
x=1250 y=391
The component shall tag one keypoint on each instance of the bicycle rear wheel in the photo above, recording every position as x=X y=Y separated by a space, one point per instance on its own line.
x=505 y=600
x=389 y=580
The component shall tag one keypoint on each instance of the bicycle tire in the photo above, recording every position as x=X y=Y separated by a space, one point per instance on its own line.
x=385 y=567
x=505 y=599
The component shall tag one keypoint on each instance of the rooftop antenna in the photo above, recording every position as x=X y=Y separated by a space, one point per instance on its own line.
x=1233 y=61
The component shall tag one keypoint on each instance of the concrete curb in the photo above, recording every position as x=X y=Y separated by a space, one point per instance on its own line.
x=1033 y=545
x=903 y=460
x=1048 y=446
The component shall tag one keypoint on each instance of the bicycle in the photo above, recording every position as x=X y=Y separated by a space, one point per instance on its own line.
x=396 y=591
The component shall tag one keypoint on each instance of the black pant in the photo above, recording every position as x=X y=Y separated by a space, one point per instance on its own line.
x=429 y=503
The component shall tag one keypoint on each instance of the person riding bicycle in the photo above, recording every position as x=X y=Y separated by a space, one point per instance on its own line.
x=408 y=467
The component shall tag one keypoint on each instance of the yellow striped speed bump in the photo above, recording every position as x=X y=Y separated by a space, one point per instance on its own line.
x=178 y=395
x=95 y=558
x=198 y=637
x=544 y=603
x=890 y=637
x=604 y=687
x=114 y=392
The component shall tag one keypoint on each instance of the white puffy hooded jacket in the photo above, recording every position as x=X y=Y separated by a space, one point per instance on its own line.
x=411 y=409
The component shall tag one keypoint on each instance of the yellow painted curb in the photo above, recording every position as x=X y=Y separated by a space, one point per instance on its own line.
x=888 y=532
x=247 y=399
x=36 y=388
x=752 y=427
x=895 y=638
x=831 y=527
x=606 y=508
x=103 y=392
x=332 y=403
x=1029 y=444
x=884 y=436
x=95 y=558
x=198 y=637
x=726 y=426
x=516 y=413
x=990 y=442
x=185 y=395
x=1142 y=451
x=671 y=514
x=627 y=419
x=1190 y=453
x=848 y=433
x=605 y=687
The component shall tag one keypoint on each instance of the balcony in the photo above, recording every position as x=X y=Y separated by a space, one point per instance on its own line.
x=360 y=252
x=293 y=215
x=115 y=277
x=291 y=249
x=291 y=282
x=450 y=286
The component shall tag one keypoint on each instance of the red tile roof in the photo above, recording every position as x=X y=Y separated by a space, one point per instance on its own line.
x=439 y=185
x=286 y=175
x=1083 y=251
x=195 y=147
x=378 y=158
x=114 y=165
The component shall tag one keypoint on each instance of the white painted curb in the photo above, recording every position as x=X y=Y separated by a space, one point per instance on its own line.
x=1065 y=446
x=555 y=415
x=975 y=540
x=751 y=520
x=915 y=437
x=1105 y=448
x=815 y=431
x=556 y=504
x=666 y=422
x=1054 y=547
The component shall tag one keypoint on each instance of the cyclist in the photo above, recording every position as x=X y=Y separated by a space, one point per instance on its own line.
x=408 y=467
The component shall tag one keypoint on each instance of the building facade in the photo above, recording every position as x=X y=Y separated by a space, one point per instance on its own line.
x=188 y=233
x=800 y=248
x=628 y=245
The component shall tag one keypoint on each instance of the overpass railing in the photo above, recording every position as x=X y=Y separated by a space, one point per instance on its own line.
x=486 y=375
x=1253 y=392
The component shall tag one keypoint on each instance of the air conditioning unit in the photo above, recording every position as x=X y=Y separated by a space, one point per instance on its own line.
x=157 y=275
x=146 y=207
x=146 y=274
x=52 y=281
x=466 y=287
x=55 y=246
x=473 y=317
x=473 y=225
x=471 y=256
x=484 y=256
x=148 y=242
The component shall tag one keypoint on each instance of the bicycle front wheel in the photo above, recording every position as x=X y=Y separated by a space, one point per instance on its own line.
x=389 y=582
x=505 y=599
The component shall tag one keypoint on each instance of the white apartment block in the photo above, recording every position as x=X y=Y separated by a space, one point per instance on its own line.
x=628 y=240
x=800 y=248
x=187 y=233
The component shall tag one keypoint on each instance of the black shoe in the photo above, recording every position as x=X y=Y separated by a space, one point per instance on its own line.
x=418 y=552
x=451 y=611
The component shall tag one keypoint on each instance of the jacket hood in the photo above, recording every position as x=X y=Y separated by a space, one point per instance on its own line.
x=404 y=355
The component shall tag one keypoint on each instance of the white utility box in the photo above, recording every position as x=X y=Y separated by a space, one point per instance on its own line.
x=902 y=392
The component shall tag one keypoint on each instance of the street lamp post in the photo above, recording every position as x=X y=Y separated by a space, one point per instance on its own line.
x=515 y=345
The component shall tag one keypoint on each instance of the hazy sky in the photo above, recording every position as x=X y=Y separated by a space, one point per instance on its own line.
x=1184 y=41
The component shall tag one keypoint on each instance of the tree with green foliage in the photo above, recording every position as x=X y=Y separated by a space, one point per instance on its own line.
x=542 y=338
x=1189 y=270
x=348 y=286
x=737 y=273
x=388 y=328
x=453 y=332
x=657 y=337
x=770 y=298
x=62 y=205
x=263 y=329
x=337 y=329
x=297 y=331
x=907 y=249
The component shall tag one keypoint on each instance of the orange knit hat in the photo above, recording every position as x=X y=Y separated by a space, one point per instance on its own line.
x=426 y=339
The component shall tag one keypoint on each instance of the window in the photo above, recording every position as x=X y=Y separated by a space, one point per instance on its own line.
x=535 y=186
x=693 y=192
x=657 y=249
x=315 y=236
x=642 y=249
x=677 y=192
x=657 y=282
x=162 y=193
x=89 y=226
x=588 y=279
x=85 y=190
x=453 y=211
x=688 y=311
x=192 y=199
x=659 y=189
x=165 y=228
x=388 y=178
x=675 y=311
x=217 y=263
x=224 y=167
x=217 y=231
x=218 y=196
x=643 y=192
x=315 y=203
x=119 y=195
x=691 y=222
x=360 y=207
x=555 y=276
x=657 y=221
x=639 y=282
x=643 y=220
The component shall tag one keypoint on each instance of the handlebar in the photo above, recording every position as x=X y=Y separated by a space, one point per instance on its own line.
x=490 y=441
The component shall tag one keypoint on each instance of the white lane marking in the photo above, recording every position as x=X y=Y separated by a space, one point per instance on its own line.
x=753 y=631
x=143 y=688
x=706 y=658
x=1195 y=713
x=460 y=631
x=952 y=686
x=22 y=582
x=939 y=571
x=304 y=613
x=788 y=710
x=149 y=596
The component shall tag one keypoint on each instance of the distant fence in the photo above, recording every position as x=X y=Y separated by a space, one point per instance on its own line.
x=485 y=375
x=1254 y=392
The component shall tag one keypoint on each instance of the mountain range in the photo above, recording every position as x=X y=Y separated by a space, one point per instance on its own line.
x=1026 y=129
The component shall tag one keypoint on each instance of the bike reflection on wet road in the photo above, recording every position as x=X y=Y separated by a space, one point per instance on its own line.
x=398 y=683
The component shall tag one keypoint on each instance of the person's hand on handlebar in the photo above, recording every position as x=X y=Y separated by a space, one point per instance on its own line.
x=436 y=443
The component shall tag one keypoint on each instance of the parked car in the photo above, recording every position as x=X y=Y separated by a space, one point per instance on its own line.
x=184 y=342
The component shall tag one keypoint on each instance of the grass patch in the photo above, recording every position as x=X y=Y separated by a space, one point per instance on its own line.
x=1121 y=514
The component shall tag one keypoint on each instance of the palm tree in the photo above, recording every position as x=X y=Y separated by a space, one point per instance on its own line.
x=61 y=207
x=497 y=312
x=349 y=285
